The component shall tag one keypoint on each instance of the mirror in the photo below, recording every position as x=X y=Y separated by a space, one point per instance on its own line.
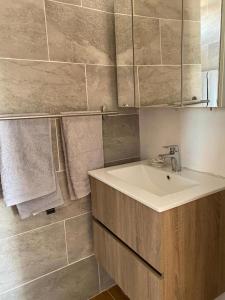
x=201 y=52
x=168 y=53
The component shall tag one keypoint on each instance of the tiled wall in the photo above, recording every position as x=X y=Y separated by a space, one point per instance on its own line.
x=157 y=51
x=157 y=28
x=69 y=68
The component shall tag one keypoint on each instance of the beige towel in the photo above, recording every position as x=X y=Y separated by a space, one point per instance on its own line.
x=83 y=148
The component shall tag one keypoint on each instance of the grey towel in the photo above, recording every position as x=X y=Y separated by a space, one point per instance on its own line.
x=36 y=206
x=26 y=162
x=83 y=148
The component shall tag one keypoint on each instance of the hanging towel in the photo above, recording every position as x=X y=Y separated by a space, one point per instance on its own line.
x=83 y=148
x=36 y=206
x=26 y=162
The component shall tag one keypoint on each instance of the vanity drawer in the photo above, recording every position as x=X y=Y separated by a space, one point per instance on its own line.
x=135 y=224
x=136 y=278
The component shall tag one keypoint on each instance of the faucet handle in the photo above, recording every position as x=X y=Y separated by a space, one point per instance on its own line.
x=173 y=148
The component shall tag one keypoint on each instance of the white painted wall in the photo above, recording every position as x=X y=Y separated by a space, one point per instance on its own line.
x=199 y=132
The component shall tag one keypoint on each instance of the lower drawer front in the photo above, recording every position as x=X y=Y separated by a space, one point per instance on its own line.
x=132 y=274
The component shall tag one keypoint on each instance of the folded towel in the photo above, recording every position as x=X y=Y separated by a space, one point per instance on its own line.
x=36 y=206
x=26 y=162
x=83 y=148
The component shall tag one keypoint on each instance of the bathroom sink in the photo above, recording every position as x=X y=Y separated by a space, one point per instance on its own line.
x=159 y=188
x=154 y=180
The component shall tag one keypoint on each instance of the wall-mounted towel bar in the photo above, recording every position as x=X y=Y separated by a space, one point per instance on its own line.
x=54 y=116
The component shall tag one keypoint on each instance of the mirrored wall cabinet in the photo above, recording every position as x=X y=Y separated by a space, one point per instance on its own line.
x=170 y=53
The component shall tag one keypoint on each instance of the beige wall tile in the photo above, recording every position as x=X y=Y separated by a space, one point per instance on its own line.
x=160 y=85
x=75 y=282
x=22 y=29
x=191 y=10
x=192 y=82
x=79 y=237
x=30 y=255
x=105 y=5
x=121 y=138
x=146 y=41
x=125 y=85
x=124 y=40
x=123 y=6
x=171 y=9
x=191 y=42
x=102 y=88
x=171 y=42
x=80 y=35
x=35 y=87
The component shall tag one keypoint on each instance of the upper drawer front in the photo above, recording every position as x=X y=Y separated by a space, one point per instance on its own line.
x=135 y=224
x=134 y=276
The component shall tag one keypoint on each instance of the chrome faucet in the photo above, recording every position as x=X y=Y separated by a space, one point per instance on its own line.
x=174 y=156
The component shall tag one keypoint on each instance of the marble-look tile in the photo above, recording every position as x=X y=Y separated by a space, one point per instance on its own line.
x=80 y=35
x=159 y=85
x=126 y=85
x=102 y=89
x=79 y=237
x=191 y=42
x=22 y=29
x=171 y=42
x=41 y=87
x=124 y=40
x=106 y=281
x=75 y=282
x=121 y=138
x=31 y=255
x=11 y=224
x=146 y=41
x=192 y=10
x=123 y=6
x=105 y=5
x=192 y=82
x=171 y=9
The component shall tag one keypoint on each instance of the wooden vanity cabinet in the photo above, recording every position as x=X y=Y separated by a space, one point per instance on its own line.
x=180 y=252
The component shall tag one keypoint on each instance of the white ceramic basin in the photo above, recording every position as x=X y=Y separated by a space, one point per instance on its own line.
x=159 y=189
x=154 y=180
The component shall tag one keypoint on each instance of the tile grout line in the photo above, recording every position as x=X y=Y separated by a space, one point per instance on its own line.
x=83 y=64
x=42 y=227
x=138 y=84
x=86 y=84
x=45 y=275
x=67 y=257
x=46 y=30
x=160 y=41
x=82 y=6
x=57 y=145
x=55 y=61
